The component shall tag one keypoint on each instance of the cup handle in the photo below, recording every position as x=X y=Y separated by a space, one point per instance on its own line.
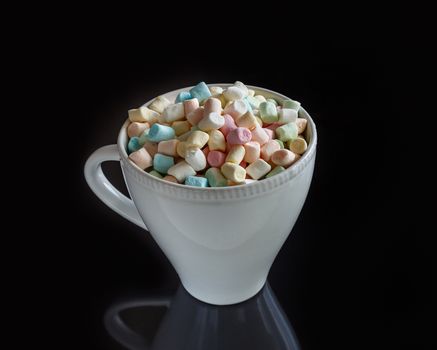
x=103 y=189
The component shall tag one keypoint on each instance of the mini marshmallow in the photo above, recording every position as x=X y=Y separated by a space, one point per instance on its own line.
x=283 y=157
x=198 y=139
x=143 y=114
x=259 y=135
x=169 y=148
x=173 y=112
x=301 y=125
x=151 y=147
x=297 y=145
x=215 y=90
x=253 y=102
x=206 y=151
x=216 y=158
x=155 y=174
x=281 y=144
x=236 y=109
x=134 y=144
x=260 y=98
x=162 y=163
x=195 y=116
x=273 y=126
x=251 y=92
x=182 y=96
x=181 y=149
x=291 y=104
x=212 y=105
x=270 y=133
x=268 y=112
x=216 y=141
x=200 y=91
x=239 y=136
x=276 y=170
x=196 y=181
x=233 y=172
x=184 y=136
x=242 y=87
x=247 y=120
x=252 y=151
x=216 y=178
x=141 y=158
x=211 y=121
x=136 y=129
x=233 y=93
x=159 y=104
x=181 y=171
x=158 y=133
x=170 y=178
x=144 y=136
x=287 y=115
x=229 y=124
x=181 y=127
x=272 y=100
x=196 y=158
x=287 y=132
x=258 y=169
x=190 y=105
x=236 y=154
x=268 y=149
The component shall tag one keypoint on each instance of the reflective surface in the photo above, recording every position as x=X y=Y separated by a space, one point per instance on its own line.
x=185 y=323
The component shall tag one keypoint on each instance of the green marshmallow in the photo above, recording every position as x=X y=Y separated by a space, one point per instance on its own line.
x=143 y=137
x=278 y=169
x=291 y=104
x=253 y=102
x=155 y=174
x=268 y=112
x=281 y=144
x=216 y=178
x=287 y=132
x=272 y=101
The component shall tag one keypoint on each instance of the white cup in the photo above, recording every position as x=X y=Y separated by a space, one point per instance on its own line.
x=221 y=241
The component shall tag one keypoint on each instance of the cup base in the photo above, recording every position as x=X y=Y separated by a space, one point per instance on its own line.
x=216 y=297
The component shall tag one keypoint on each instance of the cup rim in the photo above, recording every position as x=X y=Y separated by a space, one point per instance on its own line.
x=268 y=183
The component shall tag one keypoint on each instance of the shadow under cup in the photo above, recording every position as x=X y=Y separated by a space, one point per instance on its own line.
x=221 y=241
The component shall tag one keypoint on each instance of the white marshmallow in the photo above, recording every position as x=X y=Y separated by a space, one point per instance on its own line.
x=196 y=158
x=215 y=90
x=287 y=115
x=181 y=171
x=243 y=87
x=258 y=169
x=236 y=109
x=212 y=121
x=233 y=93
x=173 y=112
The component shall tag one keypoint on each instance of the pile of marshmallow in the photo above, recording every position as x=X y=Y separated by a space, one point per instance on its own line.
x=215 y=137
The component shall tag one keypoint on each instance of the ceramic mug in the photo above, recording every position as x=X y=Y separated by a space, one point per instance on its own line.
x=221 y=241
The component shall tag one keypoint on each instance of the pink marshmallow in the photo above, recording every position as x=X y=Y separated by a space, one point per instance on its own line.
x=216 y=158
x=260 y=135
x=191 y=105
x=268 y=149
x=229 y=125
x=239 y=136
x=270 y=133
x=243 y=164
x=195 y=116
x=136 y=129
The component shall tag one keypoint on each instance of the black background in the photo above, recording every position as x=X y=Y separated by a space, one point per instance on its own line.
x=356 y=272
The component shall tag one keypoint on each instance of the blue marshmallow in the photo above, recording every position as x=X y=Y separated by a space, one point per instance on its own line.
x=200 y=91
x=249 y=107
x=158 y=133
x=134 y=144
x=162 y=163
x=182 y=96
x=196 y=181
